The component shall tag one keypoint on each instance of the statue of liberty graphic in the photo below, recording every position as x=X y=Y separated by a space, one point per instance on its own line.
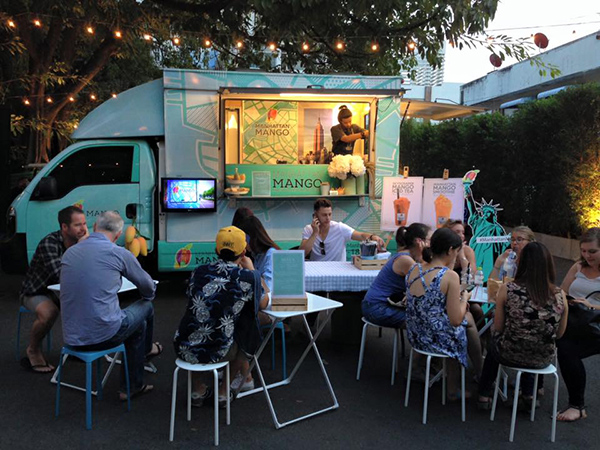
x=483 y=220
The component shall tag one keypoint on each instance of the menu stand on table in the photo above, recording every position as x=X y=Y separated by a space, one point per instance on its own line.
x=315 y=304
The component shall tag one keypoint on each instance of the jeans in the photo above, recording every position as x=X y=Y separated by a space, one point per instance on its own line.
x=571 y=352
x=490 y=372
x=135 y=332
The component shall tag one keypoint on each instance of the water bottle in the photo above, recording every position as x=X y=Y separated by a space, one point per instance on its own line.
x=466 y=277
x=479 y=277
x=509 y=268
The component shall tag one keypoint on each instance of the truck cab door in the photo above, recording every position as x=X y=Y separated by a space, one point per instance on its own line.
x=95 y=177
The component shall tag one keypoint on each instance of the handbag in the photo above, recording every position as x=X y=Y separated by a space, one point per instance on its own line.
x=583 y=323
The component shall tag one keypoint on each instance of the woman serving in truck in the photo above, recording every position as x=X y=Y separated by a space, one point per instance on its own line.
x=346 y=133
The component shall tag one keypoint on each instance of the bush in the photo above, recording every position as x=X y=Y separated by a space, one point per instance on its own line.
x=541 y=164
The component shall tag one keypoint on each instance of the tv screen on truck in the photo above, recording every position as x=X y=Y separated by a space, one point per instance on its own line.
x=189 y=194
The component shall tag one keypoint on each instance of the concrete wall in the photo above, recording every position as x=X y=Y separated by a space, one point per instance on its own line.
x=578 y=61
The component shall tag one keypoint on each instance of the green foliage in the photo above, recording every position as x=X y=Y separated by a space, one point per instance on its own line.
x=542 y=164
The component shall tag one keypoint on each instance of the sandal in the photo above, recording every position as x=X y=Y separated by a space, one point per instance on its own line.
x=145 y=389
x=484 y=405
x=582 y=413
x=157 y=349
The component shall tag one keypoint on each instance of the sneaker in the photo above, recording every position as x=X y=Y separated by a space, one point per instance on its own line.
x=239 y=384
x=223 y=399
x=198 y=400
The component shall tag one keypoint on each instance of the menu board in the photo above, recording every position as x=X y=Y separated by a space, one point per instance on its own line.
x=261 y=184
x=401 y=202
x=443 y=200
x=288 y=274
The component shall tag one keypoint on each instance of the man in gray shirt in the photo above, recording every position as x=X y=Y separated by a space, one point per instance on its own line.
x=91 y=315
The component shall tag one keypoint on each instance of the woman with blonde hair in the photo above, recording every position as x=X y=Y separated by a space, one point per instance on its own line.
x=519 y=238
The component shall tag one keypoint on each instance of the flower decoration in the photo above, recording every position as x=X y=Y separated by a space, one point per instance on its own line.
x=344 y=166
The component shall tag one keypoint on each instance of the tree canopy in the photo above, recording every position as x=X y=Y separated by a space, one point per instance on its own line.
x=58 y=58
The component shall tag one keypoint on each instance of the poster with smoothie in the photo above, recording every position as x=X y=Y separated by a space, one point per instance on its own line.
x=443 y=200
x=401 y=202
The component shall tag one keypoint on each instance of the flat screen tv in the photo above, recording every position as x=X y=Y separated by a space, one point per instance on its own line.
x=189 y=194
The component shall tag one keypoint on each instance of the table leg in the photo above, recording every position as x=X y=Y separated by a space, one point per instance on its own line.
x=265 y=388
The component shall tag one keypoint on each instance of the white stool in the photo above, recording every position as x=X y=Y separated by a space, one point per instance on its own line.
x=550 y=370
x=397 y=333
x=429 y=383
x=199 y=368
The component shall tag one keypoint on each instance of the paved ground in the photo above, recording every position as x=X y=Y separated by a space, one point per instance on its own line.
x=371 y=413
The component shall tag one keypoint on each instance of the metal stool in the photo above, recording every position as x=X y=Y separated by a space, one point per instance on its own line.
x=429 y=383
x=181 y=364
x=398 y=334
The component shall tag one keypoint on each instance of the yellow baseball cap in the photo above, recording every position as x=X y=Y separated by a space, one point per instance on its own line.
x=231 y=238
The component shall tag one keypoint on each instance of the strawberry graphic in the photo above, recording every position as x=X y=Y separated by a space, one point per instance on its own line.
x=272 y=114
x=78 y=204
x=183 y=257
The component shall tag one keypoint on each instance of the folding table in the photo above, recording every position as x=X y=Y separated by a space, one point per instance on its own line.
x=315 y=304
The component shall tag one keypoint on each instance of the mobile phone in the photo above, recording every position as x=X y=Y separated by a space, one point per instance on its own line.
x=469 y=287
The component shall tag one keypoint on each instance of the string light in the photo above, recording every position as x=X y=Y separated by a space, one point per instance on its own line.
x=27 y=102
x=375 y=47
x=90 y=30
x=11 y=24
x=71 y=99
x=239 y=44
x=305 y=47
x=114 y=95
x=339 y=46
x=118 y=34
x=411 y=46
x=93 y=97
x=49 y=100
x=147 y=37
x=37 y=23
x=272 y=46
x=207 y=43
x=176 y=41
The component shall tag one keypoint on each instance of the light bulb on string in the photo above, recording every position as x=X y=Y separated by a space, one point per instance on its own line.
x=113 y=95
x=93 y=97
x=339 y=46
x=239 y=44
x=71 y=99
x=49 y=100
x=37 y=23
x=411 y=46
x=147 y=37
x=272 y=46
x=176 y=41
x=207 y=43
x=305 y=47
x=118 y=34
x=90 y=30
x=26 y=102
x=375 y=47
x=12 y=24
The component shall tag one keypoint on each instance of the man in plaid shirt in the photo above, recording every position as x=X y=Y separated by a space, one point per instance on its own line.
x=44 y=270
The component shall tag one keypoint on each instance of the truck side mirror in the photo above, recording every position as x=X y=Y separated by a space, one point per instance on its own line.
x=46 y=189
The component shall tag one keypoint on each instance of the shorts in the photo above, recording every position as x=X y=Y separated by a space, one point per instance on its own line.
x=31 y=302
x=234 y=353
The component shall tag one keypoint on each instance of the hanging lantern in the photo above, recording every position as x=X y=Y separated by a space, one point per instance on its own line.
x=495 y=60
x=540 y=40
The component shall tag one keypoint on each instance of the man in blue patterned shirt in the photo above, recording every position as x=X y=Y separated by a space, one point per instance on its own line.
x=220 y=322
x=44 y=270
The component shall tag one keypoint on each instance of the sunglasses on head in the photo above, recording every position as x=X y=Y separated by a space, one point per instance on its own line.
x=322 y=245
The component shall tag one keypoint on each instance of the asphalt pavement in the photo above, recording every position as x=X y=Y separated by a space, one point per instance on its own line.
x=371 y=413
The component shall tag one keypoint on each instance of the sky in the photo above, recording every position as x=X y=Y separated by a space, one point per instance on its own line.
x=557 y=19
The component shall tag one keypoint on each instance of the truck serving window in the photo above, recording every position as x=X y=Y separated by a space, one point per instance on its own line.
x=93 y=166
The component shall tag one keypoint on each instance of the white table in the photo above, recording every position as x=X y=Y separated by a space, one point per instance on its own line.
x=126 y=286
x=315 y=304
x=479 y=295
x=330 y=276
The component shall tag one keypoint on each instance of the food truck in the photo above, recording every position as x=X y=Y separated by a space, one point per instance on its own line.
x=177 y=156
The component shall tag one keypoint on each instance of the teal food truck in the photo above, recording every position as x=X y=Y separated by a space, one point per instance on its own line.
x=178 y=155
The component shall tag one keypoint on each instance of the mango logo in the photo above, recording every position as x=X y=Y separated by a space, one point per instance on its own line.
x=183 y=257
x=271 y=115
x=79 y=204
